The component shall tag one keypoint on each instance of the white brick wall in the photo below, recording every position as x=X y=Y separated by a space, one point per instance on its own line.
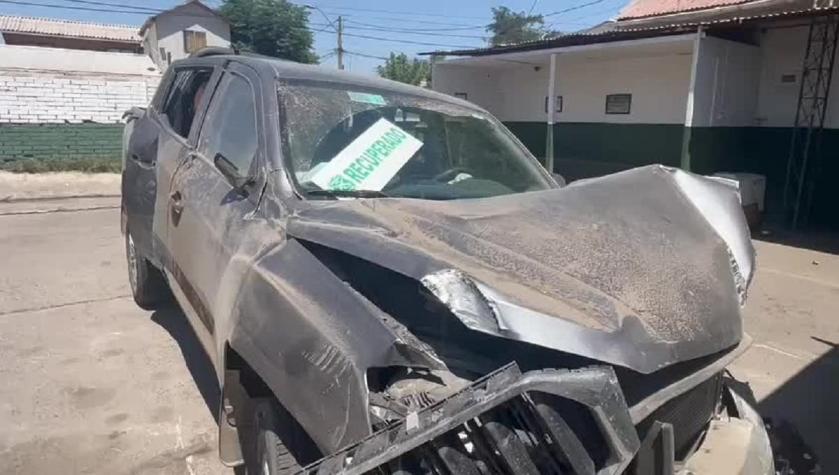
x=35 y=96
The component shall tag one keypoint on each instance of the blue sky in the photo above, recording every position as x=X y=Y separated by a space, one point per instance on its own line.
x=446 y=24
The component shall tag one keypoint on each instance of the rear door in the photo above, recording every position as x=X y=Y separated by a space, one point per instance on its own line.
x=209 y=229
x=139 y=162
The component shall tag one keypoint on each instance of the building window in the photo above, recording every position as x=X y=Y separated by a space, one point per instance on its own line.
x=558 y=104
x=461 y=95
x=618 y=103
x=194 y=41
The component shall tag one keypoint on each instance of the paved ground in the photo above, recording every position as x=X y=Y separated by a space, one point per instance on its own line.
x=793 y=366
x=17 y=186
x=92 y=384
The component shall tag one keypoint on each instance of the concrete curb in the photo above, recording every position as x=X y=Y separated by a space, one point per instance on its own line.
x=58 y=205
x=55 y=210
x=9 y=199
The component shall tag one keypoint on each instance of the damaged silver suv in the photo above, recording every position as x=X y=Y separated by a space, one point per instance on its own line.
x=386 y=281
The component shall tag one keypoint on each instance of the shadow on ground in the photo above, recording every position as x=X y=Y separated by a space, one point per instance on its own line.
x=172 y=319
x=805 y=415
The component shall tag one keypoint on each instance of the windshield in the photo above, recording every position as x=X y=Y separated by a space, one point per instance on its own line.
x=342 y=141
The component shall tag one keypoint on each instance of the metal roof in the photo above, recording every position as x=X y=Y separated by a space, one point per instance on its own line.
x=650 y=27
x=648 y=8
x=68 y=28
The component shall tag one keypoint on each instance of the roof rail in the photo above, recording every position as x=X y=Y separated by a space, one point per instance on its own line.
x=213 y=51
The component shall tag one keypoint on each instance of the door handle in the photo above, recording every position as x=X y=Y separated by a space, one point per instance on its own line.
x=139 y=161
x=176 y=204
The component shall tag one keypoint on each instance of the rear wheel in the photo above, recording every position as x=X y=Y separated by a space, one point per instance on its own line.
x=271 y=455
x=148 y=287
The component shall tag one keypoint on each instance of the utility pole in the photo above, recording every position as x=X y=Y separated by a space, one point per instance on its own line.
x=338 y=29
x=340 y=50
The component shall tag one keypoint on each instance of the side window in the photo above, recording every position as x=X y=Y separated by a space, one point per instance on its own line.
x=230 y=128
x=185 y=98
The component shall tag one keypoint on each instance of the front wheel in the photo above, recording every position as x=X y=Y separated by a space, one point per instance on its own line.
x=148 y=287
x=271 y=456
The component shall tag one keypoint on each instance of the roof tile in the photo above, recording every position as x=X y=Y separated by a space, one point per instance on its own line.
x=650 y=8
x=68 y=28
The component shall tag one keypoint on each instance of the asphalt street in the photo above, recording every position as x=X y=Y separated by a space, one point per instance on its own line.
x=93 y=384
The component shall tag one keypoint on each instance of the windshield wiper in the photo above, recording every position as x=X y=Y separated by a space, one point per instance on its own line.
x=348 y=193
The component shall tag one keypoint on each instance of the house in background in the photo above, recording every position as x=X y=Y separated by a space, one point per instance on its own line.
x=709 y=86
x=176 y=33
x=64 y=85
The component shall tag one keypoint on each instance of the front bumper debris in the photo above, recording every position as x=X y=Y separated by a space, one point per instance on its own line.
x=736 y=444
x=549 y=421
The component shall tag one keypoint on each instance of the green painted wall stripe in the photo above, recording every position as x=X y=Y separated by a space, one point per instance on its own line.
x=60 y=142
x=593 y=149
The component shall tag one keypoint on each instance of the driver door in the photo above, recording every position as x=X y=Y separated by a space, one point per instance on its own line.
x=206 y=231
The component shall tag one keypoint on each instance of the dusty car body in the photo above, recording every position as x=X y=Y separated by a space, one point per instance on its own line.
x=576 y=329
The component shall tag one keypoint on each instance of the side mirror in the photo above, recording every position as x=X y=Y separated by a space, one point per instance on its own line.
x=559 y=179
x=229 y=170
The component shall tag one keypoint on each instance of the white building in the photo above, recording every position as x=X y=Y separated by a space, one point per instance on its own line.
x=710 y=89
x=180 y=31
x=64 y=85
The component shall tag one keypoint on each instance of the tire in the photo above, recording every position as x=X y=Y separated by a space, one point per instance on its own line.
x=271 y=456
x=148 y=287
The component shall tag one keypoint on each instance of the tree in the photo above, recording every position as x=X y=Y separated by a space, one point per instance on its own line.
x=271 y=27
x=398 y=68
x=509 y=27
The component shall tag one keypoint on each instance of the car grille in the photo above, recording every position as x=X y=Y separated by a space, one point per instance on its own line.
x=688 y=413
x=551 y=422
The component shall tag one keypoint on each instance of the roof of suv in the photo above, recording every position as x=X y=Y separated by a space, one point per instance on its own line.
x=284 y=69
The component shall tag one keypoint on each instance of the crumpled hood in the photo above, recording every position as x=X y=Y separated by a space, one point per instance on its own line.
x=642 y=269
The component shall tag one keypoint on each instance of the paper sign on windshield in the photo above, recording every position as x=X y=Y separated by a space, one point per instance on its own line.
x=370 y=161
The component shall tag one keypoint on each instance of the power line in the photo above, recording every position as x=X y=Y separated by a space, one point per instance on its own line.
x=403 y=12
x=118 y=5
x=429 y=30
x=403 y=20
x=325 y=27
x=328 y=20
x=68 y=7
x=365 y=55
x=410 y=42
x=598 y=12
x=576 y=7
x=402 y=41
x=409 y=32
x=575 y=20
